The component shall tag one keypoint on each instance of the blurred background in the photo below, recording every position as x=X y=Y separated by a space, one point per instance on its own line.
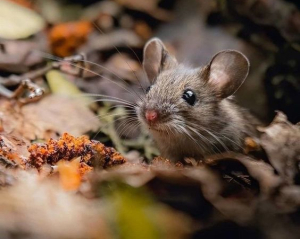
x=95 y=48
x=112 y=33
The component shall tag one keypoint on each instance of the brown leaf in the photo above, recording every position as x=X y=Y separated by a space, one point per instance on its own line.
x=57 y=114
x=19 y=56
x=281 y=142
x=124 y=67
x=65 y=38
x=150 y=7
x=117 y=38
x=44 y=210
x=257 y=169
x=50 y=116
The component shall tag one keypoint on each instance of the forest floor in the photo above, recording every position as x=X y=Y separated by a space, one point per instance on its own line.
x=73 y=165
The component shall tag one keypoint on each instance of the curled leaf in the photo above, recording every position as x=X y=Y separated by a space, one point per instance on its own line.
x=281 y=142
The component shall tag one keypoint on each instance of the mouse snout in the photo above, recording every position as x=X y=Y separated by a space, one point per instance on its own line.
x=151 y=115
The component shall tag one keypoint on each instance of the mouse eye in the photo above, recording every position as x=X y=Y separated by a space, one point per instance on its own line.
x=148 y=88
x=189 y=96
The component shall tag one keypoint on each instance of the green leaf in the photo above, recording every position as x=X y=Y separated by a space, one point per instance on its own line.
x=58 y=84
x=18 y=22
x=133 y=212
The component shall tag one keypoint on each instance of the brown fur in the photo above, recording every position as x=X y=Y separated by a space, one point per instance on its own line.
x=218 y=123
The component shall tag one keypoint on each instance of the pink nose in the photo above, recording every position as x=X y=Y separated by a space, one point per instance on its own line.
x=151 y=115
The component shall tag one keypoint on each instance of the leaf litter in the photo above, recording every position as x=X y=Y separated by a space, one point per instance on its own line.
x=59 y=181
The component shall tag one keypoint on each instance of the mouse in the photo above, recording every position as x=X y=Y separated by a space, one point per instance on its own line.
x=191 y=112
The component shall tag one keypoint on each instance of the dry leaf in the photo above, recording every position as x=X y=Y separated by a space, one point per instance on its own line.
x=58 y=84
x=18 y=22
x=281 y=142
x=150 y=7
x=50 y=116
x=17 y=56
x=69 y=174
x=65 y=38
x=58 y=114
x=24 y=3
x=42 y=209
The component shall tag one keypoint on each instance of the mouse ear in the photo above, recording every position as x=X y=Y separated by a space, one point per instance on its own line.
x=156 y=59
x=227 y=72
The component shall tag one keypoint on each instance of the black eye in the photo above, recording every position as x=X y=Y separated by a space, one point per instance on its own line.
x=148 y=88
x=189 y=96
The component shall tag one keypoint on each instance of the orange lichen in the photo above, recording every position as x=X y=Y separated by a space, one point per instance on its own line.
x=65 y=38
x=90 y=153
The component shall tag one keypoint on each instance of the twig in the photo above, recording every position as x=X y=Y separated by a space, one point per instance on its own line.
x=25 y=80
x=13 y=80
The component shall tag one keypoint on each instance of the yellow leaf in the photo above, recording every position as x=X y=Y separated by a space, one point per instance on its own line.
x=133 y=211
x=60 y=85
x=18 y=22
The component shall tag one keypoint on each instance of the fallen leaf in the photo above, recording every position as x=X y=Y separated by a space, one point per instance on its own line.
x=58 y=84
x=24 y=3
x=51 y=116
x=45 y=210
x=65 y=38
x=17 y=56
x=150 y=7
x=281 y=140
x=57 y=114
x=133 y=212
x=18 y=22
x=117 y=38
x=124 y=67
x=143 y=30
x=257 y=169
x=69 y=174
x=136 y=214
x=101 y=9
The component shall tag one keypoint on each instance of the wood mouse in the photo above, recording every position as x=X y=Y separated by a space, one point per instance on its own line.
x=190 y=112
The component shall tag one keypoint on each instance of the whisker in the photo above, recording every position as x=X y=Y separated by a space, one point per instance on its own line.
x=190 y=136
x=232 y=141
x=102 y=95
x=206 y=139
x=126 y=121
x=51 y=57
x=110 y=115
x=105 y=68
x=168 y=129
x=213 y=135
x=216 y=138
x=140 y=65
x=134 y=125
x=108 y=123
x=116 y=101
x=123 y=58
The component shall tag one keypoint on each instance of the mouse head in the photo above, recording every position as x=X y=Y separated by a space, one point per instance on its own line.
x=180 y=96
